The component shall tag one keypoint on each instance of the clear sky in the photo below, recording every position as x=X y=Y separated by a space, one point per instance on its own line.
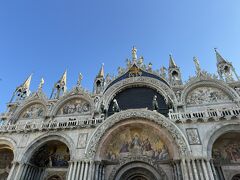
x=44 y=37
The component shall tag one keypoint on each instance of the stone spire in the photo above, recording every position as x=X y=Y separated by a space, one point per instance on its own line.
x=174 y=72
x=23 y=90
x=220 y=59
x=172 y=63
x=101 y=72
x=225 y=68
x=60 y=86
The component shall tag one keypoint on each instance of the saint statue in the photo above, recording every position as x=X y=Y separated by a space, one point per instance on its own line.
x=155 y=103
x=80 y=77
x=115 y=107
x=197 y=65
x=134 y=54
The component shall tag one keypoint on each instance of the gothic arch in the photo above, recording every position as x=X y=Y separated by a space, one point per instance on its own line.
x=215 y=133
x=198 y=82
x=159 y=86
x=176 y=134
x=76 y=93
x=38 y=142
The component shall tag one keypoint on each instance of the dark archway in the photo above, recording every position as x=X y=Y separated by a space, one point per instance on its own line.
x=138 y=174
x=138 y=98
x=6 y=158
x=53 y=154
x=236 y=177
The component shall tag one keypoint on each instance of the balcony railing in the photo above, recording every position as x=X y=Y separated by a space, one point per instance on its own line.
x=207 y=114
x=53 y=125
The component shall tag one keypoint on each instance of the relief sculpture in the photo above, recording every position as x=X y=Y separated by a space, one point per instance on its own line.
x=33 y=111
x=75 y=106
x=206 y=95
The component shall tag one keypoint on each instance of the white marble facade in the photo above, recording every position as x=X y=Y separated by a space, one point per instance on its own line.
x=72 y=136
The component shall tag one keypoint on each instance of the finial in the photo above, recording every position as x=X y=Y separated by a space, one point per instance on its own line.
x=80 y=77
x=40 y=84
x=101 y=72
x=172 y=63
x=134 y=53
x=220 y=59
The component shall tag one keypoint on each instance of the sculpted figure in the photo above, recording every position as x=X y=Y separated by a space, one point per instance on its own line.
x=115 y=107
x=155 y=103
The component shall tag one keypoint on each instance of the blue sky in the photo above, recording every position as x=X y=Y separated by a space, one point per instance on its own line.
x=46 y=37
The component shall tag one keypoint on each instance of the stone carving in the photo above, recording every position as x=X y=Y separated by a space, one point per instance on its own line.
x=33 y=111
x=82 y=140
x=155 y=103
x=75 y=106
x=159 y=119
x=193 y=136
x=206 y=95
x=115 y=107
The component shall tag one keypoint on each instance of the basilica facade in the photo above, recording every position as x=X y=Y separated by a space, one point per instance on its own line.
x=142 y=124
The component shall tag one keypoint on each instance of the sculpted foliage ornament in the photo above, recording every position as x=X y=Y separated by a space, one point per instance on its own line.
x=157 y=118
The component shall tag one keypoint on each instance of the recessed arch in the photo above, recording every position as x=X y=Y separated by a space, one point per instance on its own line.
x=40 y=141
x=208 y=83
x=68 y=98
x=156 y=118
x=215 y=133
x=158 y=85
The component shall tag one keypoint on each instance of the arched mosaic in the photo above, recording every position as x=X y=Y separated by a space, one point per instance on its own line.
x=133 y=140
x=206 y=95
x=33 y=111
x=51 y=154
x=226 y=149
x=75 y=106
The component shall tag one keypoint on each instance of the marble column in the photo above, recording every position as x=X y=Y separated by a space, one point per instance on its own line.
x=184 y=169
x=78 y=170
x=210 y=171
x=85 y=171
x=214 y=170
x=189 y=169
x=179 y=171
x=205 y=169
x=74 y=170
x=196 y=177
x=11 y=173
x=200 y=171
x=70 y=169
x=82 y=168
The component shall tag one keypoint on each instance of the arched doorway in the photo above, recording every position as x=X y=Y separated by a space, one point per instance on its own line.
x=137 y=174
x=48 y=160
x=134 y=145
x=226 y=155
x=6 y=158
x=137 y=170
x=236 y=177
